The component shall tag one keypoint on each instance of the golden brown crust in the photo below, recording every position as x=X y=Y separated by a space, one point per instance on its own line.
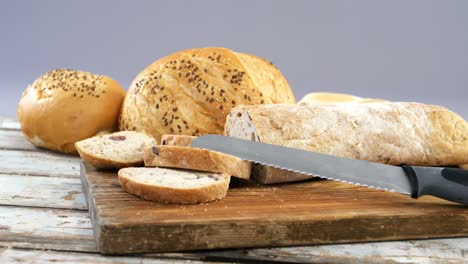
x=65 y=106
x=386 y=132
x=190 y=92
x=164 y=194
x=177 y=140
x=196 y=159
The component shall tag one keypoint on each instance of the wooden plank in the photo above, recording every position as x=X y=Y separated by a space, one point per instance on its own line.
x=417 y=251
x=9 y=123
x=14 y=140
x=9 y=255
x=314 y=212
x=38 y=163
x=39 y=191
x=46 y=229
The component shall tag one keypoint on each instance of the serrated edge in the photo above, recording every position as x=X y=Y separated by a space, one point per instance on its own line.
x=325 y=177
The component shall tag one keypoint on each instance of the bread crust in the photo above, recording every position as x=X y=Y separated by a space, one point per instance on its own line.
x=108 y=163
x=164 y=194
x=190 y=92
x=105 y=163
x=177 y=140
x=196 y=159
x=334 y=99
x=385 y=132
x=64 y=106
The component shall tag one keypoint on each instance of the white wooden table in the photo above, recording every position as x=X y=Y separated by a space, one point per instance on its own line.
x=43 y=218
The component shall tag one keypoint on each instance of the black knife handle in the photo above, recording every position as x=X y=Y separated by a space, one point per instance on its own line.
x=447 y=183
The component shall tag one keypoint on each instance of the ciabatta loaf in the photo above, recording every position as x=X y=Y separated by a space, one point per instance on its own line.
x=196 y=159
x=177 y=140
x=117 y=150
x=385 y=132
x=267 y=175
x=174 y=186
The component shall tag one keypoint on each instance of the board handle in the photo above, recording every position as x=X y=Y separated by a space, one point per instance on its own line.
x=447 y=183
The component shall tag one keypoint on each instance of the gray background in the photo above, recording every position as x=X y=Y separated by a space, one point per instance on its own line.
x=398 y=50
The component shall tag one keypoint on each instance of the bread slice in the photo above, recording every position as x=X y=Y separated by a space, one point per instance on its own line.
x=117 y=150
x=196 y=159
x=177 y=140
x=174 y=186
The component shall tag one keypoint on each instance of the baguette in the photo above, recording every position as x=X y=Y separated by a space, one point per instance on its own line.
x=196 y=159
x=174 y=186
x=385 y=132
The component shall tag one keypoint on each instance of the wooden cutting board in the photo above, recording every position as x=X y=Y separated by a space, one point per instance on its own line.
x=305 y=213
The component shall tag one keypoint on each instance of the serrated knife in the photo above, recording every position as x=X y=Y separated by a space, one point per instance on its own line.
x=446 y=183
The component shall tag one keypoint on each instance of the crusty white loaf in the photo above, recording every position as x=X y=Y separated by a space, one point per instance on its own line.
x=386 y=132
x=116 y=150
x=174 y=186
x=190 y=92
x=196 y=159
x=321 y=98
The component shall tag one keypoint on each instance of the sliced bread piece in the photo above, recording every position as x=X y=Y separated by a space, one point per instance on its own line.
x=196 y=159
x=117 y=150
x=174 y=186
x=177 y=140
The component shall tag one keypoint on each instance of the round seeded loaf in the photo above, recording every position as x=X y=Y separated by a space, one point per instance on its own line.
x=117 y=150
x=174 y=186
x=64 y=106
x=190 y=92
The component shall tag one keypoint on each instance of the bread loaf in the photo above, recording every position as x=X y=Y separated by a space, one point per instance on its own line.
x=385 y=132
x=174 y=186
x=334 y=98
x=65 y=106
x=190 y=92
x=117 y=150
x=331 y=99
x=196 y=159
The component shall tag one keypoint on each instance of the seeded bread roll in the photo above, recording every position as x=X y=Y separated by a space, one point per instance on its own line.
x=174 y=186
x=385 y=132
x=66 y=106
x=190 y=92
x=177 y=140
x=117 y=150
x=196 y=159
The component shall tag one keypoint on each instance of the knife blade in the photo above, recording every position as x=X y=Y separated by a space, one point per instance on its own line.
x=447 y=183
